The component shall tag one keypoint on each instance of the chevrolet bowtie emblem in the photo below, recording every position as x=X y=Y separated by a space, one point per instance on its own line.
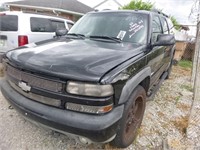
x=24 y=86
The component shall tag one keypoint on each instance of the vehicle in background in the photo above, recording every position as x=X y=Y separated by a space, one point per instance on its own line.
x=19 y=28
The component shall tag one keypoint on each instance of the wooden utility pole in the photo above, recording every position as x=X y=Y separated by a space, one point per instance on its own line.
x=197 y=75
x=194 y=69
x=194 y=118
x=196 y=64
x=195 y=57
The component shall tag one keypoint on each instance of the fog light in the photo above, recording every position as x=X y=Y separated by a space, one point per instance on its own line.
x=89 y=109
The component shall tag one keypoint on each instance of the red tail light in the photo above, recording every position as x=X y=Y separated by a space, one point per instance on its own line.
x=2 y=14
x=22 y=40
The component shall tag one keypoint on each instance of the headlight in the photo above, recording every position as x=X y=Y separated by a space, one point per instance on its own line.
x=86 y=89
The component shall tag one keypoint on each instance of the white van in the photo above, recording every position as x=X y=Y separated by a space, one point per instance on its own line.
x=19 y=28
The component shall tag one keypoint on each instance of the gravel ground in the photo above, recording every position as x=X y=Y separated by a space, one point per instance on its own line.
x=164 y=125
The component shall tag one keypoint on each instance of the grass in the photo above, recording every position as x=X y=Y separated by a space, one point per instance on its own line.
x=185 y=64
x=187 y=87
x=177 y=99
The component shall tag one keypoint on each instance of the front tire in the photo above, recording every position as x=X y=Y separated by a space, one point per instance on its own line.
x=131 y=119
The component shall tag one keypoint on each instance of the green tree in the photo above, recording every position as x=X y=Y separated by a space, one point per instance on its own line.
x=175 y=23
x=140 y=5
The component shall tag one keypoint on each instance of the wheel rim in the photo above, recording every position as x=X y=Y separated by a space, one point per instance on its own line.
x=134 y=118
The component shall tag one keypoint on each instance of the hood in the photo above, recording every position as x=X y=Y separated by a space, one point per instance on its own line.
x=83 y=60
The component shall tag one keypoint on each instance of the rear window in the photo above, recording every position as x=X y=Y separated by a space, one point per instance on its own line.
x=8 y=23
x=45 y=25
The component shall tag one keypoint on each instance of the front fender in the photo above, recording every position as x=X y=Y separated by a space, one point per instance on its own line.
x=132 y=83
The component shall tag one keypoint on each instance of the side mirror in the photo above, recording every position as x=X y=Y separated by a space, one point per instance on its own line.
x=165 y=40
x=61 y=32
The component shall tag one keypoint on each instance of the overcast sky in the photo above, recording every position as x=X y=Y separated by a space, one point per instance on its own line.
x=178 y=8
x=3 y=1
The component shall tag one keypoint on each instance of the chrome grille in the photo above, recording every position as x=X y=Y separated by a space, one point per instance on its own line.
x=33 y=80
x=36 y=97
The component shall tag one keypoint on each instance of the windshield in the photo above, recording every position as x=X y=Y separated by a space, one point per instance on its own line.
x=126 y=26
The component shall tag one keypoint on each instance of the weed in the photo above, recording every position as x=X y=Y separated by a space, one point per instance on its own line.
x=187 y=87
x=185 y=64
x=177 y=99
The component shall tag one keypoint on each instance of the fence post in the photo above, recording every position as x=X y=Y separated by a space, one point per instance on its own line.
x=194 y=118
x=195 y=57
x=197 y=76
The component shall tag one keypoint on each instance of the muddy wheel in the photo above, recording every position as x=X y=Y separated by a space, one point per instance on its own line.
x=131 y=119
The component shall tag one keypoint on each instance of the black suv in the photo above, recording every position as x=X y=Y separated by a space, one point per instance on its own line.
x=94 y=81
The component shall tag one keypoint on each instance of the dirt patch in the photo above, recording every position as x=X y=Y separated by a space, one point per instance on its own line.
x=181 y=124
x=180 y=71
x=183 y=107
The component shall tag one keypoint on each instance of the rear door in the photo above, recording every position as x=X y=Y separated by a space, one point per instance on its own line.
x=156 y=56
x=8 y=32
x=40 y=29
x=44 y=28
x=167 y=51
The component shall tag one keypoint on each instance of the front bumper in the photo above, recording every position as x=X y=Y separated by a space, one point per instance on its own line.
x=97 y=128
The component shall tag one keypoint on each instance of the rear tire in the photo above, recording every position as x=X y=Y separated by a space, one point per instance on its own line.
x=131 y=119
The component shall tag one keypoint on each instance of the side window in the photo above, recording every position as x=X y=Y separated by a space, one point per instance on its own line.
x=8 y=23
x=41 y=25
x=70 y=25
x=164 y=25
x=156 y=29
x=56 y=24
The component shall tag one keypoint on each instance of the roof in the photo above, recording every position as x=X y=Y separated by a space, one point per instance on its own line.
x=68 y=5
x=34 y=15
x=106 y=1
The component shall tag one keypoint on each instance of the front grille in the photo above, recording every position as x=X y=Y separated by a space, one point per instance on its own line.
x=36 y=97
x=32 y=80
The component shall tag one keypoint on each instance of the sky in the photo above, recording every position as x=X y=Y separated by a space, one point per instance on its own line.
x=180 y=9
x=4 y=1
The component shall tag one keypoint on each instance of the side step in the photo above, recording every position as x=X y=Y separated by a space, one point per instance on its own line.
x=157 y=86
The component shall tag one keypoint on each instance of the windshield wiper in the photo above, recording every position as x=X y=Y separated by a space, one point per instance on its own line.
x=76 y=35
x=107 y=37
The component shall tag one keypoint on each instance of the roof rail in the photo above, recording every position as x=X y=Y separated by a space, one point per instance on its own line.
x=159 y=12
x=105 y=9
x=97 y=10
